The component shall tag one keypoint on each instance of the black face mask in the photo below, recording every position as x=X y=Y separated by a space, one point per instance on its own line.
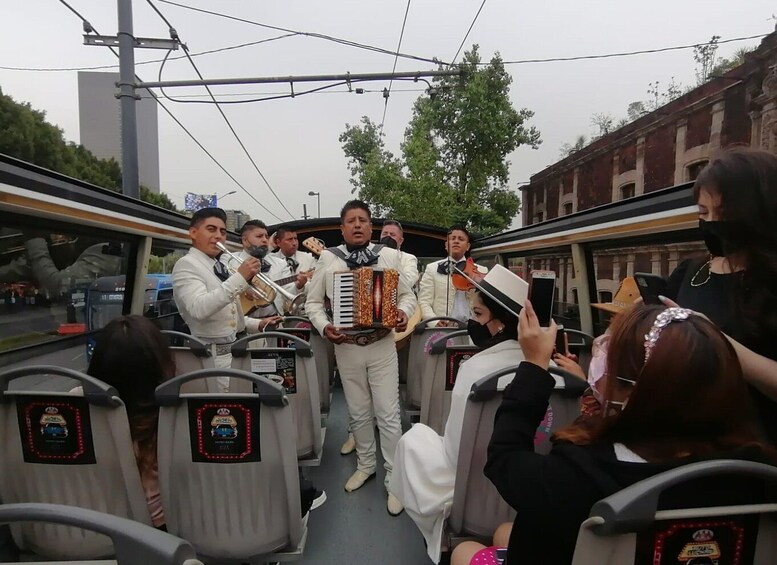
x=724 y=238
x=389 y=242
x=258 y=251
x=479 y=333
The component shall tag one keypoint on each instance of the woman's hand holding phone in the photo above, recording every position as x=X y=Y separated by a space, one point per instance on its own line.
x=537 y=343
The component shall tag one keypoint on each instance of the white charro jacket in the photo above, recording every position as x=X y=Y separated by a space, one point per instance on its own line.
x=437 y=293
x=210 y=307
x=322 y=284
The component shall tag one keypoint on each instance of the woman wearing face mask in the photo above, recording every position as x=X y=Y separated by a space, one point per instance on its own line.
x=425 y=463
x=736 y=285
x=661 y=410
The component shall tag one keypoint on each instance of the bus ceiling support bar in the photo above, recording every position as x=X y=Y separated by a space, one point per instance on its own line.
x=582 y=279
x=141 y=270
x=348 y=77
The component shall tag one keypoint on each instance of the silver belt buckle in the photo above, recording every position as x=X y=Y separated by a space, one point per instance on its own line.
x=223 y=348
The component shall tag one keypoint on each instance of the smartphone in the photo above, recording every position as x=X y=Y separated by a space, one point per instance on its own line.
x=500 y=554
x=650 y=287
x=561 y=340
x=542 y=291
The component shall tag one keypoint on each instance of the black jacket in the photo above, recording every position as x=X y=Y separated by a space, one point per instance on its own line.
x=553 y=494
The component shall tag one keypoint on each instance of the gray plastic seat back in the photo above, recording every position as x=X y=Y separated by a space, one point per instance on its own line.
x=440 y=370
x=71 y=448
x=628 y=526
x=192 y=355
x=228 y=468
x=320 y=358
x=295 y=364
x=132 y=541
x=420 y=344
x=478 y=507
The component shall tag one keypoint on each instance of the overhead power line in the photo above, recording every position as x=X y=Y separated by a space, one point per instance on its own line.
x=394 y=68
x=323 y=36
x=466 y=35
x=198 y=54
x=628 y=53
x=184 y=128
x=221 y=111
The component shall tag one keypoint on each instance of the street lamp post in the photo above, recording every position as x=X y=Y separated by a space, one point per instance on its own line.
x=318 y=198
x=219 y=198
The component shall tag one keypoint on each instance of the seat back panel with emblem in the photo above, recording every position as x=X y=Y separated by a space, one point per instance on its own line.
x=305 y=332
x=296 y=366
x=712 y=512
x=478 y=508
x=71 y=448
x=418 y=355
x=228 y=469
x=191 y=354
x=439 y=377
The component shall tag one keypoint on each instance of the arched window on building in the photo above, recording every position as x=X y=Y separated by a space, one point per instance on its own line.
x=605 y=296
x=693 y=170
x=539 y=217
x=568 y=208
x=628 y=191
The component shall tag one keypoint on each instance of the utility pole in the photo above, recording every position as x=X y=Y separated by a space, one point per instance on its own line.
x=129 y=123
x=126 y=42
x=305 y=212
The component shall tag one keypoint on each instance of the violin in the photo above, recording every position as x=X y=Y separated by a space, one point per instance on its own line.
x=466 y=280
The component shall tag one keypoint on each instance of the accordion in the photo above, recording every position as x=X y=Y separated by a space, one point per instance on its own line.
x=365 y=298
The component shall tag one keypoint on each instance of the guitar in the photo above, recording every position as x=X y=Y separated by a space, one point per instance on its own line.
x=314 y=245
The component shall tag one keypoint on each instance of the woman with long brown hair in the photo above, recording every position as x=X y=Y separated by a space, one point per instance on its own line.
x=131 y=355
x=673 y=394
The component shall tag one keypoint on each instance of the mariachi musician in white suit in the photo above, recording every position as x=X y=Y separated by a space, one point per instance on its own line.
x=367 y=360
x=207 y=295
x=437 y=295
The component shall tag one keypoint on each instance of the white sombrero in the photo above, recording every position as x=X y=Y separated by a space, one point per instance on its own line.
x=504 y=287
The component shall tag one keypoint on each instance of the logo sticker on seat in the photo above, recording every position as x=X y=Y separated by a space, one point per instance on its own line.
x=55 y=430
x=224 y=432
x=280 y=363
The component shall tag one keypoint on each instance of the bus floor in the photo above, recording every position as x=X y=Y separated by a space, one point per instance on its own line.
x=355 y=527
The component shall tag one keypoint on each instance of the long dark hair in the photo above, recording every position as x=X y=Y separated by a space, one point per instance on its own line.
x=689 y=400
x=132 y=355
x=746 y=180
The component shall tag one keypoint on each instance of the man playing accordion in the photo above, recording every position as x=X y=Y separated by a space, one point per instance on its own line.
x=366 y=357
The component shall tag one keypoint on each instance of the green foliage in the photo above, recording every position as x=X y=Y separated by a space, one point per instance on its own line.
x=26 y=135
x=453 y=167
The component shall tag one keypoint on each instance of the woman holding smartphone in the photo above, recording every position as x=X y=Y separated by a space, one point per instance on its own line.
x=656 y=416
x=736 y=285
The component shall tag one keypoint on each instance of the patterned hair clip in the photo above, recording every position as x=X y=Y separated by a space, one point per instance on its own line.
x=662 y=320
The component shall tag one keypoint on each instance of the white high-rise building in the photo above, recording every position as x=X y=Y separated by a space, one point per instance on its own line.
x=99 y=116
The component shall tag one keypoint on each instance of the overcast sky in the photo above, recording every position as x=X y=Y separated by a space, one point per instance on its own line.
x=294 y=142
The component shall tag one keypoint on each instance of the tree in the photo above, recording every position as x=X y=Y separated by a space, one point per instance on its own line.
x=705 y=57
x=604 y=122
x=453 y=167
x=25 y=134
x=636 y=110
x=724 y=65
x=567 y=149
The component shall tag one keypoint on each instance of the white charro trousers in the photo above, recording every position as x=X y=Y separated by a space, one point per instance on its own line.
x=370 y=376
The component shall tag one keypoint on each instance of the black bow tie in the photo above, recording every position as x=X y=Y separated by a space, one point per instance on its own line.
x=220 y=270
x=265 y=266
x=444 y=268
x=292 y=263
x=361 y=257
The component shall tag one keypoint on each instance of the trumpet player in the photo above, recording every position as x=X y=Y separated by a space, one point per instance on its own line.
x=207 y=293
x=255 y=240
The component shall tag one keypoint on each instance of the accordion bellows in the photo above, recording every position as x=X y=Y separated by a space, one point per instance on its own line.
x=365 y=298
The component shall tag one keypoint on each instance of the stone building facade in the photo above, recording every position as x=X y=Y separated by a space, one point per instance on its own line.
x=664 y=148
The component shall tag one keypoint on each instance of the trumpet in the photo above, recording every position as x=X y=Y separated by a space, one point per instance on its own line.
x=263 y=289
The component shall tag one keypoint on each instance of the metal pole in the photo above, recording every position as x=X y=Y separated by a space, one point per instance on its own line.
x=304 y=211
x=318 y=199
x=348 y=78
x=129 y=125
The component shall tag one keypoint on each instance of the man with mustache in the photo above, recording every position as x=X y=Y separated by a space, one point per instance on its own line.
x=392 y=235
x=366 y=359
